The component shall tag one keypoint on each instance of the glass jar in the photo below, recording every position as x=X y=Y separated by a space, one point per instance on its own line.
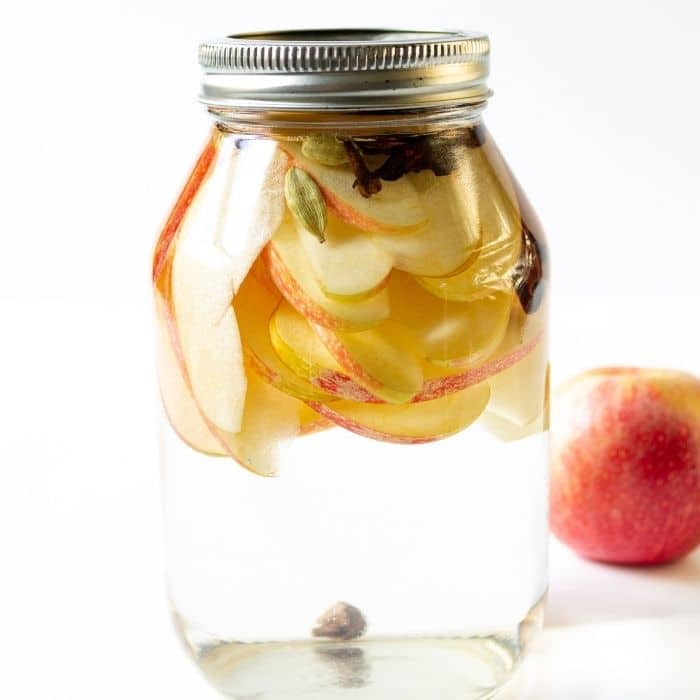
x=351 y=324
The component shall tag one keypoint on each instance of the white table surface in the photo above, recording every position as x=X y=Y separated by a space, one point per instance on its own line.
x=82 y=604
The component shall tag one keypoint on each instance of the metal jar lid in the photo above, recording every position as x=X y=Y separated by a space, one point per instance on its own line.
x=345 y=70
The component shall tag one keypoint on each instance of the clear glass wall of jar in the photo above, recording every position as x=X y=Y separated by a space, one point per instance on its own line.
x=351 y=315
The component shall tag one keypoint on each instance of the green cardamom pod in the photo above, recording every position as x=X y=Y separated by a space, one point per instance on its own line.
x=305 y=201
x=324 y=149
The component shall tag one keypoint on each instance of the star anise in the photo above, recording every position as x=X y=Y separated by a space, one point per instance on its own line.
x=408 y=154
x=529 y=272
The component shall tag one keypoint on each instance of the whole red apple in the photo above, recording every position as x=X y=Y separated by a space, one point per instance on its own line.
x=625 y=482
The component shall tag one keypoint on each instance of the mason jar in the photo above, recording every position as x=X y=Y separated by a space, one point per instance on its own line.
x=351 y=313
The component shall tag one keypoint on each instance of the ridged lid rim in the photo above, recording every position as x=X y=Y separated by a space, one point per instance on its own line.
x=246 y=53
x=345 y=69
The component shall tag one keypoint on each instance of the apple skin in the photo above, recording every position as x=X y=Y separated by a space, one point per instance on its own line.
x=409 y=424
x=172 y=225
x=625 y=484
x=293 y=292
x=290 y=289
x=390 y=386
x=355 y=427
x=440 y=386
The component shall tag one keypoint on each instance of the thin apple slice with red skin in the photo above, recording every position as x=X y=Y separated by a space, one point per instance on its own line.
x=254 y=305
x=470 y=336
x=450 y=240
x=282 y=378
x=179 y=405
x=180 y=408
x=294 y=277
x=395 y=208
x=301 y=350
x=348 y=265
x=202 y=289
x=520 y=393
x=412 y=423
x=263 y=186
x=383 y=359
x=163 y=248
x=451 y=334
x=445 y=384
x=490 y=194
x=242 y=198
x=312 y=422
x=523 y=335
x=269 y=416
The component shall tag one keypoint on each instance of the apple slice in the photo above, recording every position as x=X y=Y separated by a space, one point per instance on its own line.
x=505 y=431
x=301 y=350
x=452 y=334
x=488 y=191
x=515 y=404
x=520 y=393
x=256 y=204
x=385 y=360
x=468 y=336
x=292 y=273
x=205 y=277
x=255 y=304
x=269 y=419
x=348 y=265
x=312 y=422
x=396 y=208
x=413 y=423
x=163 y=248
x=523 y=335
x=179 y=405
x=202 y=290
x=451 y=238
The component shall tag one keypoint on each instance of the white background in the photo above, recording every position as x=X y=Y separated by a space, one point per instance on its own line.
x=596 y=107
